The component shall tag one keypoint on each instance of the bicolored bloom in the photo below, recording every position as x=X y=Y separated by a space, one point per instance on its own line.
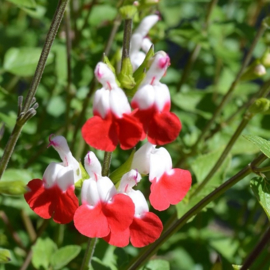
x=140 y=41
x=103 y=211
x=153 y=102
x=53 y=196
x=169 y=185
x=146 y=227
x=112 y=122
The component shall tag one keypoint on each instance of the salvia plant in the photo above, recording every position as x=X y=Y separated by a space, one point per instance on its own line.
x=159 y=113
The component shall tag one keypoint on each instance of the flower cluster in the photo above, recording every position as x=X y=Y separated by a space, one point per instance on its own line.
x=118 y=213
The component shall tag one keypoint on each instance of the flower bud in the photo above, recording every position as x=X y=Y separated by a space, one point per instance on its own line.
x=125 y=77
x=254 y=71
x=128 y=12
x=261 y=105
x=5 y=256
x=16 y=187
x=128 y=181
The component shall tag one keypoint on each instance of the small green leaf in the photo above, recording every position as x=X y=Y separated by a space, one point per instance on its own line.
x=116 y=175
x=56 y=106
x=85 y=176
x=42 y=252
x=157 y=265
x=261 y=189
x=263 y=144
x=23 y=61
x=12 y=187
x=24 y=3
x=5 y=256
x=64 y=255
x=236 y=267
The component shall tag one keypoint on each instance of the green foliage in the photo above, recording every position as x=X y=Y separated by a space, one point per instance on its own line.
x=261 y=189
x=157 y=265
x=4 y=256
x=261 y=143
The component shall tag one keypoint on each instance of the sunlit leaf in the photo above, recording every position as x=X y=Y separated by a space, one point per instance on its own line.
x=261 y=188
x=24 y=3
x=263 y=144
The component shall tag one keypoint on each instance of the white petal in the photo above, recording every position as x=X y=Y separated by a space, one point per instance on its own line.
x=92 y=166
x=160 y=162
x=58 y=174
x=135 y=43
x=146 y=45
x=129 y=180
x=106 y=189
x=144 y=97
x=146 y=24
x=137 y=59
x=139 y=201
x=162 y=95
x=59 y=143
x=141 y=159
x=119 y=102
x=65 y=178
x=89 y=192
x=158 y=68
x=50 y=174
x=105 y=76
x=102 y=102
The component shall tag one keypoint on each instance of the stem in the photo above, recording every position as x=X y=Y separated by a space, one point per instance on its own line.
x=223 y=156
x=264 y=169
x=89 y=253
x=195 y=52
x=58 y=16
x=106 y=163
x=69 y=72
x=126 y=41
x=257 y=250
x=146 y=253
x=233 y=85
x=36 y=79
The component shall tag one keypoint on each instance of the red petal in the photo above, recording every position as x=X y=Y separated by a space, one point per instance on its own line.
x=64 y=204
x=100 y=133
x=91 y=222
x=38 y=198
x=51 y=202
x=170 y=189
x=146 y=230
x=119 y=213
x=164 y=128
x=129 y=131
x=118 y=239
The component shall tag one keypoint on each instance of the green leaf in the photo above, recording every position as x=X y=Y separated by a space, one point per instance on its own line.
x=56 y=106
x=236 y=267
x=42 y=252
x=263 y=144
x=98 y=12
x=157 y=265
x=12 y=187
x=85 y=176
x=64 y=255
x=261 y=188
x=116 y=175
x=24 y=3
x=5 y=256
x=23 y=61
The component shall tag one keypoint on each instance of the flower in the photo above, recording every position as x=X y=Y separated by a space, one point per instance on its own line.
x=103 y=211
x=153 y=103
x=53 y=196
x=146 y=227
x=112 y=122
x=140 y=41
x=169 y=186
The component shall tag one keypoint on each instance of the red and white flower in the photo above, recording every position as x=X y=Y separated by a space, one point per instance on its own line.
x=153 y=103
x=146 y=227
x=103 y=211
x=169 y=186
x=112 y=122
x=53 y=196
x=140 y=41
